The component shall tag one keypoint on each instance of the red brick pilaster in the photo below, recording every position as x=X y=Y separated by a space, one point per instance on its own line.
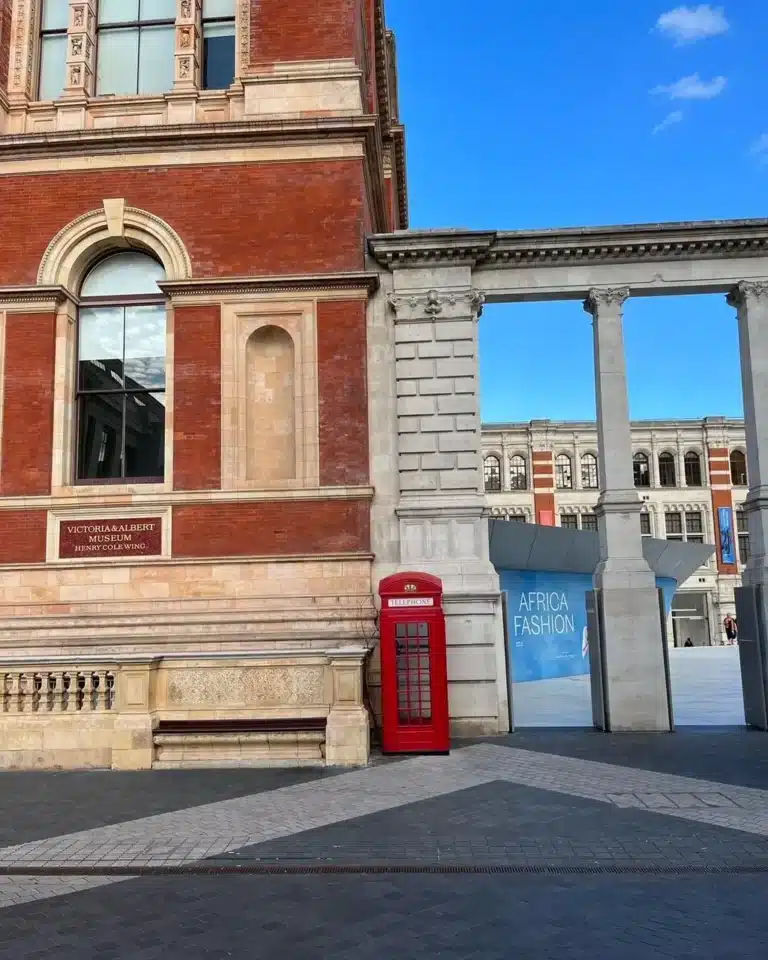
x=720 y=482
x=544 y=487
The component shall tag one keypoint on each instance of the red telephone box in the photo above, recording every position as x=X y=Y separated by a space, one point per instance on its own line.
x=414 y=672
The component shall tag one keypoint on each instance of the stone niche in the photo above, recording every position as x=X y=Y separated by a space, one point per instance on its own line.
x=58 y=714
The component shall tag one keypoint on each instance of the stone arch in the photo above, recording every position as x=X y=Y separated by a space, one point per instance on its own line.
x=114 y=227
x=270 y=367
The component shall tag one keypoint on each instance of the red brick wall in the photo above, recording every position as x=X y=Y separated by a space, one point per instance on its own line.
x=543 y=487
x=30 y=345
x=197 y=398
x=237 y=220
x=303 y=30
x=271 y=528
x=5 y=41
x=343 y=389
x=24 y=536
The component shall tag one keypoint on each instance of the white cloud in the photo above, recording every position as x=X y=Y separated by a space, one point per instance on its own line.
x=689 y=24
x=693 y=88
x=669 y=121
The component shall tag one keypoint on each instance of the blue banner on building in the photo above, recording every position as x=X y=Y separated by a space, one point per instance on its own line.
x=727 y=539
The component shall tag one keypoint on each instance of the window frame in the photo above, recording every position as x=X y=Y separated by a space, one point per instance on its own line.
x=138 y=26
x=639 y=458
x=563 y=461
x=731 y=469
x=666 y=461
x=486 y=474
x=116 y=301
x=690 y=458
x=42 y=33
x=515 y=474
x=205 y=21
x=590 y=460
x=742 y=535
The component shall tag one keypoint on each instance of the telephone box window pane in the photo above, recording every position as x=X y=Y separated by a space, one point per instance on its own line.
x=144 y=435
x=118 y=11
x=413 y=674
x=53 y=66
x=117 y=62
x=156 y=59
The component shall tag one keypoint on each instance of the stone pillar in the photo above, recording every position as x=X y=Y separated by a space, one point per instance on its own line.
x=24 y=20
x=751 y=302
x=81 y=47
x=442 y=529
x=347 y=735
x=132 y=746
x=186 y=74
x=632 y=641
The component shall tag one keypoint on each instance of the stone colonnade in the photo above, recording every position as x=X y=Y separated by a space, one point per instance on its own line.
x=437 y=289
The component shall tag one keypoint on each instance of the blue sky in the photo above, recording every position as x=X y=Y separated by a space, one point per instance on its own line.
x=527 y=114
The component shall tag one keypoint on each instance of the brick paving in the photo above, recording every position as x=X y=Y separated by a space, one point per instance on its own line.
x=561 y=803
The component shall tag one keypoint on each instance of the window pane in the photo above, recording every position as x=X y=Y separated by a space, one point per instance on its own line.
x=693 y=523
x=55 y=15
x=742 y=524
x=674 y=523
x=117 y=62
x=158 y=10
x=100 y=436
x=144 y=435
x=645 y=524
x=145 y=347
x=569 y=520
x=156 y=60
x=123 y=274
x=744 y=552
x=218 y=55
x=118 y=11
x=218 y=8
x=53 y=66
x=517 y=473
x=100 y=336
x=589 y=522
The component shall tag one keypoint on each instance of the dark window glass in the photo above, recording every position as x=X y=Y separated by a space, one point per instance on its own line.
x=121 y=371
x=589 y=471
x=563 y=473
x=645 y=524
x=517 y=518
x=589 y=522
x=518 y=474
x=569 y=520
x=667 y=476
x=693 y=523
x=492 y=474
x=674 y=525
x=692 y=469
x=742 y=524
x=640 y=469
x=744 y=549
x=738 y=469
x=218 y=44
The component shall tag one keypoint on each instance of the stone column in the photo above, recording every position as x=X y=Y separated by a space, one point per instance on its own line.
x=632 y=641
x=81 y=47
x=751 y=302
x=24 y=20
x=186 y=74
x=442 y=529
x=347 y=735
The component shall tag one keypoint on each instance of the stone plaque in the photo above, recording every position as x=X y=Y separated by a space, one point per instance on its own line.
x=122 y=537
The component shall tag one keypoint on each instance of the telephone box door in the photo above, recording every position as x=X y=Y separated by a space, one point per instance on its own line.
x=414 y=679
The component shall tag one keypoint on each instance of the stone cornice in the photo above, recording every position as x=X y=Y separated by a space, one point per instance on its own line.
x=718 y=239
x=33 y=298
x=365 y=283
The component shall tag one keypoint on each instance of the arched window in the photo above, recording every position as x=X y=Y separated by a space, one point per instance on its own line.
x=563 y=472
x=738 y=468
x=518 y=473
x=641 y=470
x=492 y=474
x=667 y=475
x=121 y=371
x=692 y=469
x=589 y=479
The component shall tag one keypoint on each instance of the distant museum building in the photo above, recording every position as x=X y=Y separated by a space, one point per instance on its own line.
x=546 y=472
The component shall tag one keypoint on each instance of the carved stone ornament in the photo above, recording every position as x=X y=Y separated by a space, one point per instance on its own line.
x=747 y=292
x=435 y=304
x=79 y=17
x=75 y=75
x=186 y=9
x=185 y=38
x=184 y=68
x=605 y=298
x=77 y=46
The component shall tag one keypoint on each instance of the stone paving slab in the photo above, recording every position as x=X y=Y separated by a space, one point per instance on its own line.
x=409 y=917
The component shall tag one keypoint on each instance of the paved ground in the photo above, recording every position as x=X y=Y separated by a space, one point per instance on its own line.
x=556 y=844
x=706 y=690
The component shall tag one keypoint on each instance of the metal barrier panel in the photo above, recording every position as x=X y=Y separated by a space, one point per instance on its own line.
x=751 y=619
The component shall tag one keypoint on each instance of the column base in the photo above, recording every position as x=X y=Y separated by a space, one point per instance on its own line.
x=348 y=737
x=634 y=663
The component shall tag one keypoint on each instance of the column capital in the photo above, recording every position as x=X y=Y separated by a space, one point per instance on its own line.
x=605 y=298
x=748 y=291
x=437 y=304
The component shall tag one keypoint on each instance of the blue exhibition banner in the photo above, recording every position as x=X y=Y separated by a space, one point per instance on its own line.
x=727 y=540
x=547 y=622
